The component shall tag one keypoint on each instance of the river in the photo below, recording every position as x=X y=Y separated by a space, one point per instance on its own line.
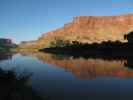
x=61 y=77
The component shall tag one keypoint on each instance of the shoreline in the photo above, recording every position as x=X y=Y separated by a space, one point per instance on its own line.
x=113 y=51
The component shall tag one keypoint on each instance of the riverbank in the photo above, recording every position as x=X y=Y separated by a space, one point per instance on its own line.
x=94 y=50
x=23 y=50
x=3 y=49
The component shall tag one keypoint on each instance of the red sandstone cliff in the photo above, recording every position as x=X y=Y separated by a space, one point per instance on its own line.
x=88 y=29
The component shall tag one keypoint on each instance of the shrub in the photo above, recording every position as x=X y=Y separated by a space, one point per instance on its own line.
x=58 y=43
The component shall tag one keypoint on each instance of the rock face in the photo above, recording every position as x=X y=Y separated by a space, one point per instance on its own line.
x=88 y=29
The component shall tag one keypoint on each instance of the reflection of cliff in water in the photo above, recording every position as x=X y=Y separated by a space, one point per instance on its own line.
x=87 y=68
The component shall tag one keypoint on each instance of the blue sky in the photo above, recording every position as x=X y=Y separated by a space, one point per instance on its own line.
x=23 y=20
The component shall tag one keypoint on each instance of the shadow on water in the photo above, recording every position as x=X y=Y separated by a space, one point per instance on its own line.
x=15 y=86
x=5 y=56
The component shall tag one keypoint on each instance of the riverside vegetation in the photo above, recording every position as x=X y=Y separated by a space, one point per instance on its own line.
x=76 y=48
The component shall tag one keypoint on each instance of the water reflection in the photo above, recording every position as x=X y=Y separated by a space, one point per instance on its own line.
x=16 y=87
x=88 y=68
x=5 y=56
x=71 y=78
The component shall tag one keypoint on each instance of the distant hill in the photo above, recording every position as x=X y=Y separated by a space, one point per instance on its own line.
x=88 y=29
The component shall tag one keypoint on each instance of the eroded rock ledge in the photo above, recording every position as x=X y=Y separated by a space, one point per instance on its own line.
x=88 y=29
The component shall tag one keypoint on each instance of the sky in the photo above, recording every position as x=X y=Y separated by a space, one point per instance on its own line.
x=25 y=20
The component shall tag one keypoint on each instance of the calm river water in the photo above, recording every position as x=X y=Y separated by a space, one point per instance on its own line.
x=69 y=78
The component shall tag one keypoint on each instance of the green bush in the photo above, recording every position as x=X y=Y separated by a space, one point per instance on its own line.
x=58 y=43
